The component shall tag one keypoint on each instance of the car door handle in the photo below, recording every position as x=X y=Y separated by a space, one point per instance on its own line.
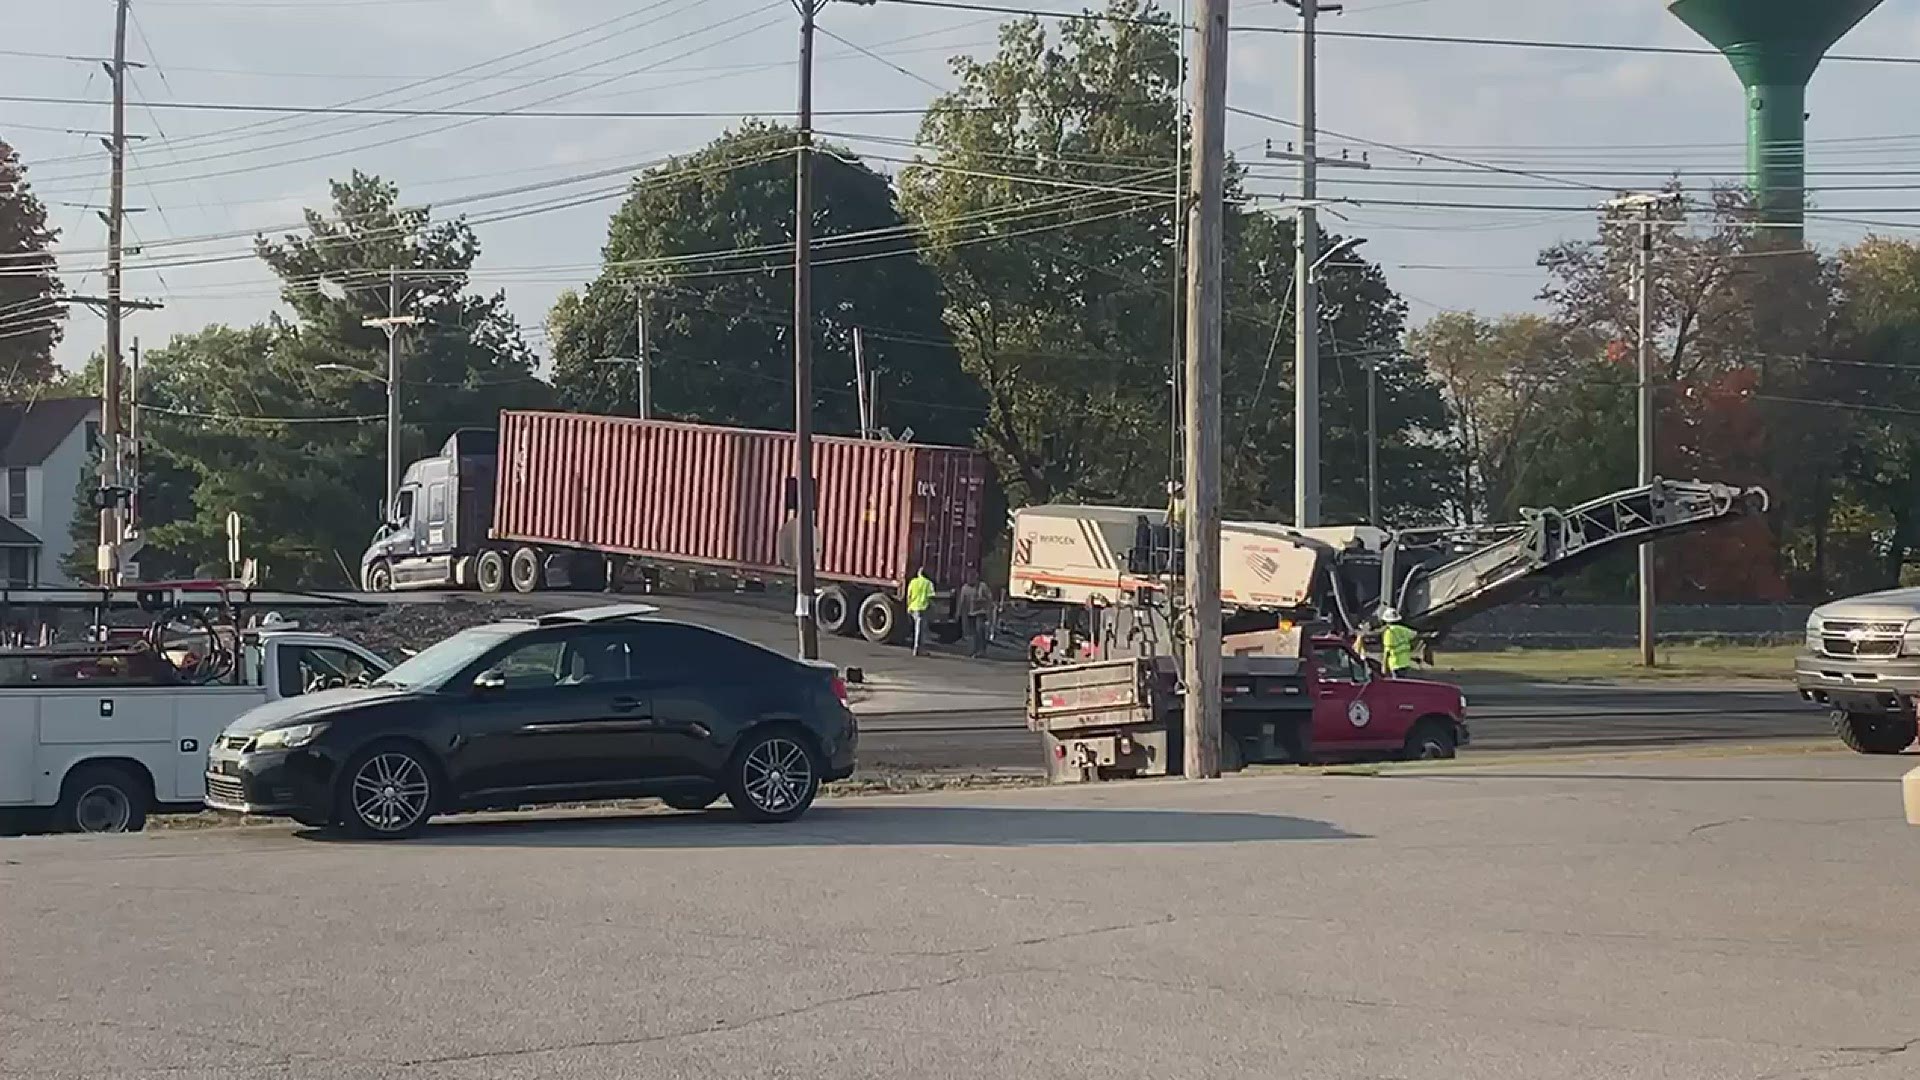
x=627 y=704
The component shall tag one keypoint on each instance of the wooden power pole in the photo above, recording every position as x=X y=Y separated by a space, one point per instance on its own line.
x=803 y=348
x=108 y=561
x=1204 y=252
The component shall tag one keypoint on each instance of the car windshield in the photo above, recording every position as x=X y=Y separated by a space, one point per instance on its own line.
x=430 y=668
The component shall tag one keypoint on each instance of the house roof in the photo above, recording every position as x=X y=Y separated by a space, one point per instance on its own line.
x=12 y=536
x=29 y=431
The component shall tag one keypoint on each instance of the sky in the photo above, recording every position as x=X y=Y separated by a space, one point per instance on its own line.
x=1579 y=122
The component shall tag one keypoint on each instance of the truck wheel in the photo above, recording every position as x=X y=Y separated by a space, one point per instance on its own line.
x=881 y=618
x=834 y=610
x=1873 y=733
x=1431 y=739
x=380 y=577
x=525 y=570
x=490 y=571
x=101 y=799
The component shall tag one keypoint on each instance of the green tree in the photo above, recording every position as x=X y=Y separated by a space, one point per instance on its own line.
x=720 y=326
x=1045 y=202
x=283 y=421
x=32 y=317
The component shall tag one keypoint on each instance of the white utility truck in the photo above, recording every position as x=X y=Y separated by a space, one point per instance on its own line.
x=95 y=735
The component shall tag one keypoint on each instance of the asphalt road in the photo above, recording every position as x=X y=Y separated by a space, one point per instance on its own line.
x=1707 y=917
x=945 y=711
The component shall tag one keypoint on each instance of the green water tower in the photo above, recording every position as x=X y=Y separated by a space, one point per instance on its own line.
x=1774 y=47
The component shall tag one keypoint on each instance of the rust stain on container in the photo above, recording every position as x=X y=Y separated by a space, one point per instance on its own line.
x=723 y=497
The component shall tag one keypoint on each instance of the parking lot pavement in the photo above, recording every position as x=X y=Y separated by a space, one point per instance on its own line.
x=1681 y=916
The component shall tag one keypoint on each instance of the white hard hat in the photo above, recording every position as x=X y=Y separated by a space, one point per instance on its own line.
x=1389 y=615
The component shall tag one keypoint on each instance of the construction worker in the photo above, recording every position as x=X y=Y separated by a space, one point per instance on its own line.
x=976 y=614
x=1396 y=641
x=919 y=599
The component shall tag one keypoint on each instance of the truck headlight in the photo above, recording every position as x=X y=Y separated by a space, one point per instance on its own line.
x=288 y=738
x=1910 y=639
x=1813 y=633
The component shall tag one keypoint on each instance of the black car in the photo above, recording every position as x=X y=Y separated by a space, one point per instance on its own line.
x=602 y=703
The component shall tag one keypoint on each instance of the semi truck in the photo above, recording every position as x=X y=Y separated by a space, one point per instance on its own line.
x=571 y=500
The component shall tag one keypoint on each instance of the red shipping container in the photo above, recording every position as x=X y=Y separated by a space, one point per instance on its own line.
x=715 y=496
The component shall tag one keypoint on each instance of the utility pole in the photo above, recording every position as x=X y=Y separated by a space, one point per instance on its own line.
x=803 y=346
x=108 y=559
x=860 y=383
x=642 y=378
x=1373 y=440
x=1645 y=204
x=1306 y=316
x=1644 y=275
x=1202 y=487
x=392 y=324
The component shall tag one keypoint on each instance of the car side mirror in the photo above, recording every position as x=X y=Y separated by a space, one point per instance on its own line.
x=1374 y=666
x=489 y=681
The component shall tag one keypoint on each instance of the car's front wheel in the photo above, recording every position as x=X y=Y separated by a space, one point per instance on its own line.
x=773 y=777
x=386 y=792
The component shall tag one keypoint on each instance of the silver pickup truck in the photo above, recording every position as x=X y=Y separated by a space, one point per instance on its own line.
x=1862 y=661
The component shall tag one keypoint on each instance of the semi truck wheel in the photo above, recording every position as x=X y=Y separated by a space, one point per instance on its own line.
x=882 y=619
x=835 y=611
x=380 y=578
x=525 y=570
x=490 y=571
x=1873 y=733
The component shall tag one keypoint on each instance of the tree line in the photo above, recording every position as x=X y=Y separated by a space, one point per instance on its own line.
x=1015 y=277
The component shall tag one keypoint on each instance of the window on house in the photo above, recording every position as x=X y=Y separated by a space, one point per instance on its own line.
x=19 y=566
x=93 y=436
x=16 y=493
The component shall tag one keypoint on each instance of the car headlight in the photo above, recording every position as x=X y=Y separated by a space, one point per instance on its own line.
x=288 y=738
x=1813 y=633
x=1910 y=639
x=1463 y=703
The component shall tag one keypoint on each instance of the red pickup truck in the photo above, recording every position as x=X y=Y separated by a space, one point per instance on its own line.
x=1358 y=711
x=1116 y=718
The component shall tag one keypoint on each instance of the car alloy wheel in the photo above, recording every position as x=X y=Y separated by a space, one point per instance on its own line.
x=391 y=792
x=102 y=808
x=777 y=776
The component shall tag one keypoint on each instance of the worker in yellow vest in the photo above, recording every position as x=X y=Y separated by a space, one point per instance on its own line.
x=1396 y=641
x=919 y=599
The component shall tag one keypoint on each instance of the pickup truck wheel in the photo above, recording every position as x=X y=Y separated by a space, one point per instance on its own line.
x=1431 y=739
x=386 y=792
x=380 y=578
x=490 y=571
x=101 y=799
x=1873 y=733
x=525 y=570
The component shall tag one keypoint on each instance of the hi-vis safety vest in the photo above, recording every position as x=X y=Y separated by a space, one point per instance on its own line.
x=1398 y=641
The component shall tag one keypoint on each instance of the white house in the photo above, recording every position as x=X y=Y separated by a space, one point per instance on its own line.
x=45 y=448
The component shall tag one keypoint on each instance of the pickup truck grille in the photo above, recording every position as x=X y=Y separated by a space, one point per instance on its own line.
x=1861 y=639
x=226 y=789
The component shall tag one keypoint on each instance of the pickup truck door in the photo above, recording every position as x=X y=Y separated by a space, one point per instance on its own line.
x=1347 y=711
